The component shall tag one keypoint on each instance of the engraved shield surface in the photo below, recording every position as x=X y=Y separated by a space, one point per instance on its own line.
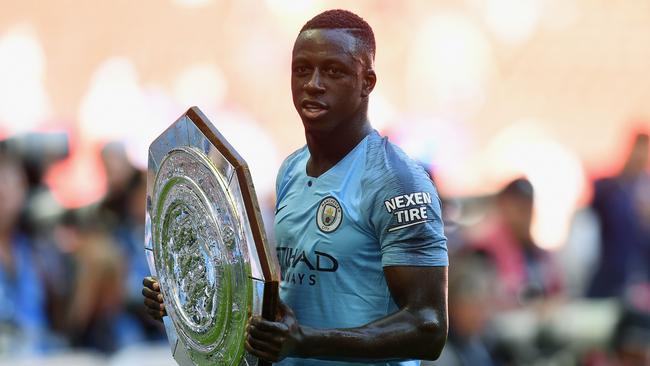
x=205 y=242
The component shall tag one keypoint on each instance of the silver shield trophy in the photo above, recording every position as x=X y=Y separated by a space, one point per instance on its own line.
x=205 y=242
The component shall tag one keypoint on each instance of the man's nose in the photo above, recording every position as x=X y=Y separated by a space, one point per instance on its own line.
x=314 y=84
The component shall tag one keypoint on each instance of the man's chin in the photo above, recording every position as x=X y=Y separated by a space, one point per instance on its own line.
x=316 y=126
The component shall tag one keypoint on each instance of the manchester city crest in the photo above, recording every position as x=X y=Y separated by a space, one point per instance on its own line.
x=329 y=214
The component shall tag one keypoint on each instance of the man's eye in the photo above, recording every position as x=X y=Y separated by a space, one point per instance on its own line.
x=333 y=71
x=299 y=69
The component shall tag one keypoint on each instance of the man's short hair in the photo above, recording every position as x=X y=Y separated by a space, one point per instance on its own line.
x=343 y=19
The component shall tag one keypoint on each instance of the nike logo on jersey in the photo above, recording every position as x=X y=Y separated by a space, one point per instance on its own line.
x=279 y=209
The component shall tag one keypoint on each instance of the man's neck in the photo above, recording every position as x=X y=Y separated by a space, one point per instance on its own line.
x=327 y=150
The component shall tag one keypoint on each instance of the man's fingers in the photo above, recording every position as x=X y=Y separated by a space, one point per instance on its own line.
x=154 y=305
x=259 y=354
x=148 y=281
x=153 y=300
x=263 y=346
x=267 y=326
x=284 y=309
x=153 y=295
x=156 y=314
x=272 y=338
x=151 y=282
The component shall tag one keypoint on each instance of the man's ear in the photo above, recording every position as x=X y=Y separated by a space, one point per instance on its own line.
x=369 y=81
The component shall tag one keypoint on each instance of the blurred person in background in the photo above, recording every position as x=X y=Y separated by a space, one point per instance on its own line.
x=97 y=261
x=631 y=341
x=525 y=272
x=629 y=344
x=121 y=178
x=471 y=285
x=23 y=319
x=622 y=206
x=122 y=210
x=38 y=151
x=525 y=282
x=128 y=234
x=89 y=283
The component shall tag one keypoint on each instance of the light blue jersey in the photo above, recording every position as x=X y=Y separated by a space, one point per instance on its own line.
x=335 y=233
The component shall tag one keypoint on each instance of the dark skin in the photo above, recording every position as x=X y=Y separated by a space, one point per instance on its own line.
x=329 y=71
x=332 y=77
x=153 y=299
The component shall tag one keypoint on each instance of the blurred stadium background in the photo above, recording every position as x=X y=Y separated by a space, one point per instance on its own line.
x=518 y=108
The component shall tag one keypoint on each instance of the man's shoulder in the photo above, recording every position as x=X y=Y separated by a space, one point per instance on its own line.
x=388 y=166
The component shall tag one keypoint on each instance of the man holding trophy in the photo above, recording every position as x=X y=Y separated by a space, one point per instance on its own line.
x=358 y=225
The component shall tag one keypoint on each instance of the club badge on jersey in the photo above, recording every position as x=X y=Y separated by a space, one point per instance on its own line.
x=329 y=215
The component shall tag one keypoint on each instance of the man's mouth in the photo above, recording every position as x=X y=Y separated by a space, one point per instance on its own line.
x=313 y=109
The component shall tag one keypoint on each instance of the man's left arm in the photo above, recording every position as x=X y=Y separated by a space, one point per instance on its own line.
x=418 y=330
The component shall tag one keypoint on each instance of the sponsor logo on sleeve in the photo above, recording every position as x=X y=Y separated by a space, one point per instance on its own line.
x=408 y=209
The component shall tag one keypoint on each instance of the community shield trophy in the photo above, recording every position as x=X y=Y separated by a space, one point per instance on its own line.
x=205 y=242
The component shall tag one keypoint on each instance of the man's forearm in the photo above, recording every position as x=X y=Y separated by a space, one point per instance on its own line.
x=406 y=334
x=417 y=331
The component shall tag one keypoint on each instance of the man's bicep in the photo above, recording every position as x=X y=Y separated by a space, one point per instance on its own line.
x=418 y=288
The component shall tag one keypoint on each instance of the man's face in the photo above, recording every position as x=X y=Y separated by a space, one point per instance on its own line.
x=330 y=78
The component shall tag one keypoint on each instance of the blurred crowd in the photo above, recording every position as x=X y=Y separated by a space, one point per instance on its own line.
x=513 y=303
x=71 y=278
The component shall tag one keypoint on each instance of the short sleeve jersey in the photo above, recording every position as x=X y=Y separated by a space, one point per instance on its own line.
x=335 y=233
